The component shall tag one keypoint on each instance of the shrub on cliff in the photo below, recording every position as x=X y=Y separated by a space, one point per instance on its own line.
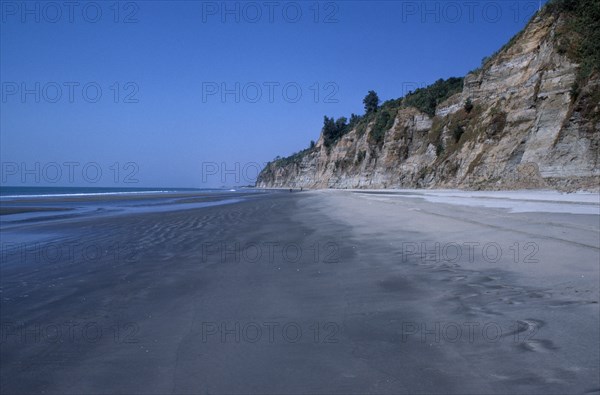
x=579 y=37
x=383 y=122
x=427 y=99
x=458 y=131
x=468 y=105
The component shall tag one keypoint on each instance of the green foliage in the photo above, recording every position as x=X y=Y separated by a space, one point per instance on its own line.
x=435 y=132
x=360 y=156
x=558 y=6
x=468 y=105
x=371 y=102
x=391 y=104
x=342 y=164
x=312 y=144
x=354 y=120
x=294 y=158
x=384 y=121
x=382 y=117
x=341 y=125
x=333 y=130
x=506 y=46
x=328 y=130
x=579 y=38
x=439 y=149
x=361 y=127
x=427 y=99
x=457 y=132
x=497 y=121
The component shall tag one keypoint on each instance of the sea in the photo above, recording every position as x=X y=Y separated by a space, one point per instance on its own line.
x=21 y=206
x=28 y=191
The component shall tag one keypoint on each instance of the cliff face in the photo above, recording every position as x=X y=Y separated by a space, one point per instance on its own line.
x=530 y=127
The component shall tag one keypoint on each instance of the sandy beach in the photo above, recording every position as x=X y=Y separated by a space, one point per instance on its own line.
x=308 y=292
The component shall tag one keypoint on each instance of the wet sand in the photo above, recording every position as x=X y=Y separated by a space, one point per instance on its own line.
x=312 y=292
x=21 y=210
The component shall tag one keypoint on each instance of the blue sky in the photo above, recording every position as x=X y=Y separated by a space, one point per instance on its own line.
x=199 y=94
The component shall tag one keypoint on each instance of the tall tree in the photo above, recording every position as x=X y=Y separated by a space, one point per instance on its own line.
x=371 y=102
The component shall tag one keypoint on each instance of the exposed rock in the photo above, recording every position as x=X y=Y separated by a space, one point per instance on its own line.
x=526 y=130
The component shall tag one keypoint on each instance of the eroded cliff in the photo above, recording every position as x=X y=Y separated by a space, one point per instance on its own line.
x=533 y=123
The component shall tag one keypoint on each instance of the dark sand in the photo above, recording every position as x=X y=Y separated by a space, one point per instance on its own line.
x=21 y=210
x=218 y=300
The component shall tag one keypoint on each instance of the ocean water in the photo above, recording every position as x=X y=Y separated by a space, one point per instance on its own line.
x=23 y=206
x=21 y=191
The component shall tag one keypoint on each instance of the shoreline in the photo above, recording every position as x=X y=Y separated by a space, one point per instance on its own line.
x=538 y=200
x=35 y=208
x=315 y=292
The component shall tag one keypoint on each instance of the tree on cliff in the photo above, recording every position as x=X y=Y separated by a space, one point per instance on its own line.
x=333 y=129
x=371 y=102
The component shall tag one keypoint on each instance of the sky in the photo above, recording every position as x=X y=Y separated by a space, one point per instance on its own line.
x=204 y=93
